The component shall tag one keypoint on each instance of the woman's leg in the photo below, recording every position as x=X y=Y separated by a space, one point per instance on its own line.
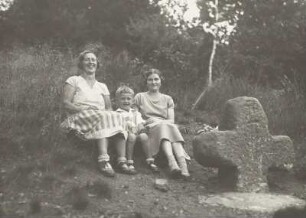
x=180 y=153
x=103 y=158
x=168 y=151
x=178 y=149
x=102 y=147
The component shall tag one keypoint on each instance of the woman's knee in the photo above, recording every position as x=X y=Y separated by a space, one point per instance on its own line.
x=165 y=143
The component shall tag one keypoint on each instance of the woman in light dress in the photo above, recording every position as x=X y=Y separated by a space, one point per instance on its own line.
x=164 y=136
x=89 y=113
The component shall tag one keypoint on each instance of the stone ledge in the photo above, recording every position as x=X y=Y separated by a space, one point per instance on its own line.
x=253 y=203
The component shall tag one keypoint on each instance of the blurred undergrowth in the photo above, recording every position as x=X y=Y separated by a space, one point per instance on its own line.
x=32 y=79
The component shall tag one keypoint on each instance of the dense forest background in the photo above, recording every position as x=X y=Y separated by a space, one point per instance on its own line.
x=264 y=57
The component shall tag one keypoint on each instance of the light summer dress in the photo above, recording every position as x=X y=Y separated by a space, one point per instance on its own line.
x=92 y=124
x=161 y=128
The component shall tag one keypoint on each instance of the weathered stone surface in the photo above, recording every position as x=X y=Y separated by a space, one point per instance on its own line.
x=243 y=149
x=254 y=204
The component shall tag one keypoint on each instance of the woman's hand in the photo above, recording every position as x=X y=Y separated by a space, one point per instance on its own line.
x=152 y=120
x=91 y=107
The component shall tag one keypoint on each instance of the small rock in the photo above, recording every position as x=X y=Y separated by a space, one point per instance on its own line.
x=21 y=194
x=156 y=201
x=23 y=201
x=161 y=185
x=91 y=195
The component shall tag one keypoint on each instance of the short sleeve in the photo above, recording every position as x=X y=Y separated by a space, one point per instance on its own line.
x=104 y=89
x=72 y=81
x=170 y=103
x=137 y=100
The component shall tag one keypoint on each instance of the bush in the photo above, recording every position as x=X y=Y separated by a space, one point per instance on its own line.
x=30 y=89
x=285 y=108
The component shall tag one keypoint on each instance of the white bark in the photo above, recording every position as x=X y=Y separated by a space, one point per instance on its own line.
x=211 y=60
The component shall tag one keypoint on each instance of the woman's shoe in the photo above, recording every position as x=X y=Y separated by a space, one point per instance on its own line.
x=175 y=171
x=106 y=169
x=184 y=168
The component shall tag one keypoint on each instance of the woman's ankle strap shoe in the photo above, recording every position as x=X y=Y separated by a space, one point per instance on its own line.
x=106 y=169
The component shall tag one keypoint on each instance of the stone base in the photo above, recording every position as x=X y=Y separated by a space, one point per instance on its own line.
x=255 y=204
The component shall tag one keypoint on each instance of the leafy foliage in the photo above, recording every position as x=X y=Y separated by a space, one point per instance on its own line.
x=270 y=41
x=72 y=21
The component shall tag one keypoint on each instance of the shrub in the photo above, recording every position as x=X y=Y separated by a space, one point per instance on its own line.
x=30 y=89
x=285 y=108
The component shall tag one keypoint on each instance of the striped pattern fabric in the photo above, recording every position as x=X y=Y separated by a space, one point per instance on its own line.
x=95 y=124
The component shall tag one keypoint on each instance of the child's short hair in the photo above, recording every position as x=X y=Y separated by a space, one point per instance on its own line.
x=124 y=89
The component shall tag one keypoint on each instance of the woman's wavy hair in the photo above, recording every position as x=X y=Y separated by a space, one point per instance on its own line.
x=82 y=56
x=151 y=71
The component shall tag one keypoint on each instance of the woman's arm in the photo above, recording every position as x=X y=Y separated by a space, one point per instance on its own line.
x=170 y=109
x=108 y=104
x=68 y=93
x=171 y=115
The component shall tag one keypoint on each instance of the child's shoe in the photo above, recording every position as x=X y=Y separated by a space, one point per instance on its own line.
x=152 y=165
x=106 y=169
x=123 y=168
x=132 y=170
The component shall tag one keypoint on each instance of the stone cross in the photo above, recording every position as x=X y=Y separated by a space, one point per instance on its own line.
x=243 y=149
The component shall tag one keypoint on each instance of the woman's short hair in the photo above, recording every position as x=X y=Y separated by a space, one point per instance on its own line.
x=82 y=56
x=152 y=71
x=124 y=89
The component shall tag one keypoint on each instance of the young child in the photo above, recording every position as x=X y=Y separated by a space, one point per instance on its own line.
x=135 y=123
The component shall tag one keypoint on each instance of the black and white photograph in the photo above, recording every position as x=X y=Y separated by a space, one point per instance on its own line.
x=153 y=109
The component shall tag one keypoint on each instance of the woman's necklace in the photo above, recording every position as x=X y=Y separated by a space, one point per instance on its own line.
x=154 y=97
